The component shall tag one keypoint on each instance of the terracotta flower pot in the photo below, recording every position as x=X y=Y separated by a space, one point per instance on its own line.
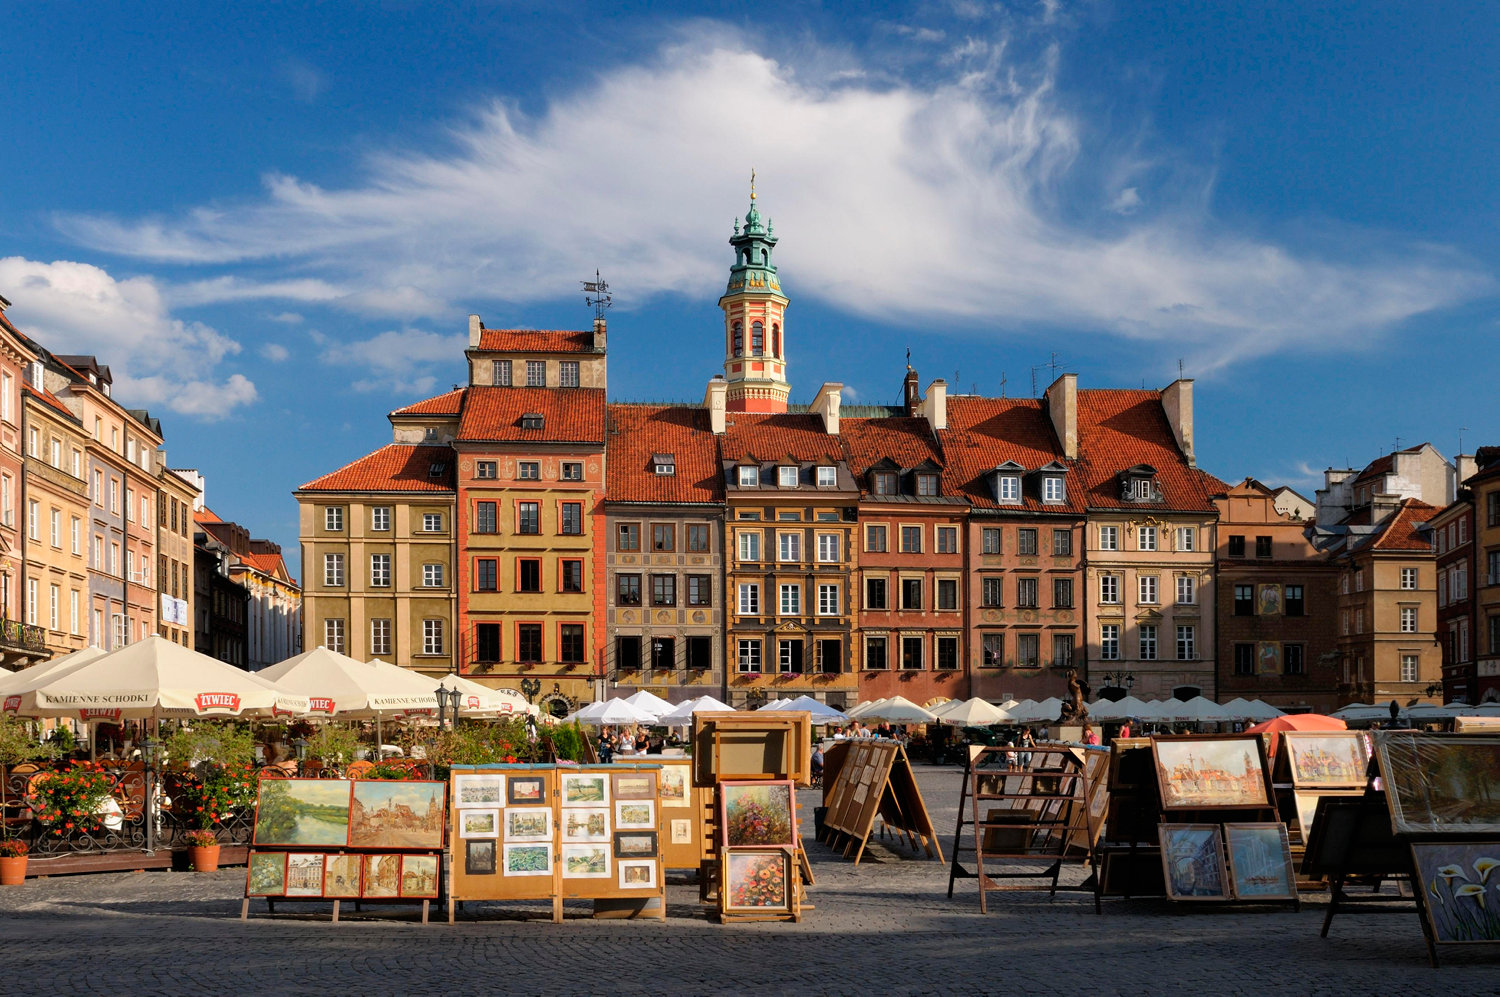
x=12 y=870
x=204 y=858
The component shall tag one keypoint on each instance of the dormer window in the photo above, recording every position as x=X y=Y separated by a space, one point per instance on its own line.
x=431 y=434
x=436 y=470
x=828 y=477
x=1009 y=489
x=927 y=484
x=664 y=463
x=786 y=476
x=884 y=483
x=1052 y=489
x=749 y=476
x=532 y=420
x=1138 y=484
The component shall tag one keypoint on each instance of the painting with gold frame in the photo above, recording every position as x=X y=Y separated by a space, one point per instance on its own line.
x=1211 y=772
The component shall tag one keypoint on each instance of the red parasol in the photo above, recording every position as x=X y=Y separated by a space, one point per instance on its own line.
x=1295 y=721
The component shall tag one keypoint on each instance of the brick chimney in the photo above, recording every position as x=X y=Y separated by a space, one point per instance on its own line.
x=910 y=396
x=1062 y=407
x=713 y=400
x=1177 y=402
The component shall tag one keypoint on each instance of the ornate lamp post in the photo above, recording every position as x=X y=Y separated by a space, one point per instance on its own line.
x=530 y=687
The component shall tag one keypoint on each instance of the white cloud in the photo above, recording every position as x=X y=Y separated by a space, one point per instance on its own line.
x=957 y=182
x=286 y=318
x=304 y=79
x=275 y=352
x=400 y=361
x=157 y=360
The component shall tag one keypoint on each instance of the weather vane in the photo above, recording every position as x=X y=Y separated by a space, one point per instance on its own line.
x=596 y=293
x=752 y=183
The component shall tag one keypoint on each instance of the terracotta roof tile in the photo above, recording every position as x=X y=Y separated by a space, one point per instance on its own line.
x=1119 y=429
x=905 y=440
x=569 y=415
x=1381 y=466
x=270 y=564
x=537 y=340
x=398 y=467
x=1400 y=531
x=206 y=515
x=48 y=398
x=638 y=432
x=448 y=403
x=984 y=433
x=779 y=436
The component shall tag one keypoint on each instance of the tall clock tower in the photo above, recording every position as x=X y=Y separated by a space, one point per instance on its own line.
x=754 y=331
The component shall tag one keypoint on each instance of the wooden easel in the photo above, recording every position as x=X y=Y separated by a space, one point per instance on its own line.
x=875 y=779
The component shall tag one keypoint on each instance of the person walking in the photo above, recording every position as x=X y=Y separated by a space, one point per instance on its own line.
x=1028 y=742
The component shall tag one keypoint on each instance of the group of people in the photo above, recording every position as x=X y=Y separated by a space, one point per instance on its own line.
x=625 y=741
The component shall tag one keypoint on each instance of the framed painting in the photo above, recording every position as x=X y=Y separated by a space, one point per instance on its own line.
x=757 y=879
x=757 y=814
x=633 y=785
x=528 y=824
x=341 y=876
x=635 y=814
x=1192 y=861
x=526 y=790
x=1260 y=862
x=266 y=875
x=478 y=789
x=304 y=874
x=585 y=861
x=528 y=860
x=382 y=876
x=302 y=812
x=1209 y=772
x=1437 y=784
x=638 y=874
x=672 y=781
x=584 y=824
x=585 y=789
x=681 y=830
x=395 y=814
x=479 y=823
x=1454 y=877
x=635 y=844
x=1332 y=759
x=419 y=876
x=1307 y=809
x=479 y=857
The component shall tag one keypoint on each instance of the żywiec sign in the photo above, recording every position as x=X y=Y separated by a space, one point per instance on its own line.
x=206 y=701
x=320 y=704
x=99 y=714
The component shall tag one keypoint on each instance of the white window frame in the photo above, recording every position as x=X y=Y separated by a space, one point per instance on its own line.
x=749 y=476
x=1145 y=538
x=333 y=518
x=568 y=374
x=1053 y=490
x=749 y=599
x=1010 y=489
x=747 y=656
x=380 y=636
x=1408 y=579
x=380 y=571
x=1147 y=590
x=1149 y=641
x=536 y=373
x=1109 y=589
x=432 y=522
x=333 y=570
x=1410 y=667
x=380 y=519
x=749 y=545
x=828 y=476
x=1408 y=619
x=1109 y=642
x=828 y=600
x=1109 y=538
x=432 y=636
x=1187 y=643
x=789 y=547
x=790 y=600
x=432 y=574
x=1187 y=590
x=1187 y=538
x=828 y=548
x=333 y=634
x=786 y=476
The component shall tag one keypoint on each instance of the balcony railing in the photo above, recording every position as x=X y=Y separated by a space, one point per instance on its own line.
x=16 y=636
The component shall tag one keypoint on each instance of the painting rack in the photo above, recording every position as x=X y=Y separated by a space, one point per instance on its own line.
x=358 y=902
x=1351 y=840
x=874 y=778
x=1126 y=855
x=1297 y=794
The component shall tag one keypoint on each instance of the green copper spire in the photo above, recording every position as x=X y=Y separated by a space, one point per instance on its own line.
x=753 y=269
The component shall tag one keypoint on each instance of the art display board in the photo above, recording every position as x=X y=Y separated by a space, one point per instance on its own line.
x=752 y=745
x=558 y=832
x=1127 y=851
x=1088 y=817
x=1212 y=772
x=876 y=779
x=365 y=840
x=684 y=815
x=1351 y=838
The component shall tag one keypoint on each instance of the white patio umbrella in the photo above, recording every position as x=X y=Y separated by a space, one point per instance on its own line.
x=1204 y=710
x=481 y=700
x=682 y=716
x=859 y=711
x=821 y=713
x=1251 y=709
x=1128 y=708
x=1357 y=712
x=29 y=676
x=338 y=685
x=648 y=702
x=774 y=704
x=615 y=711
x=898 y=710
x=1029 y=711
x=973 y=712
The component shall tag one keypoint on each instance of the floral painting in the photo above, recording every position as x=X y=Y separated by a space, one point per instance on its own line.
x=267 y=874
x=1461 y=889
x=302 y=812
x=528 y=860
x=1200 y=773
x=757 y=880
x=757 y=813
x=1331 y=758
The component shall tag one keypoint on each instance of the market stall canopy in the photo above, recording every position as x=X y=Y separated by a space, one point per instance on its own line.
x=683 y=714
x=1204 y=710
x=974 y=712
x=481 y=700
x=1029 y=711
x=1358 y=712
x=338 y=685
x=154 y=677
x=821 y=713
x=28 y=677
x=1128 y=708
x=614 y=711
x=859 y=711
x=1296 y=721
x=651 y=703
x=1251 y=709
x=897 y=710
x=774 y=704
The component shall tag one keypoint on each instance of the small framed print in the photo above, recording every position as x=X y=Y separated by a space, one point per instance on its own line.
x=635 y=844
x=681 y=829
x=638 y=874
x=585 y=789
x=419 y=876
x=635 y=815
x=528 y=860
x=528 y=824
x=304 y=874
x=479 y=857
x=585 y=861
x=633 y=785
x=756 y=879
x=672 y=780
x=526 y=790
x=479 y=823
x=266 y=876
x=585 y=824
x=1192 y=858
x=478 y=789
x=382 y=876
x=1260 y=862
x=341 y=876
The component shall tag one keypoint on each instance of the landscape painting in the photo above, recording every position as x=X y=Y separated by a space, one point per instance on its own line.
x=585 y=824
x=341 y=876
x=1437 y=784
x=304 y=874
x=637 y=874
x=757 y=880
x=635 y=844
x=1192 y=861
x=633 y=785
x=267 y=874
x=302 y=812
x=397 y=814
x=637 y=814
x=584 y=789
x=382 y=876
x=1332 y=758
x=478 y=789
x=759 y=813
x=1260 y=862
x=1211 y=772
x=419 y=876
x=528 y=860
x=528 y=824
x=585 y=861
x=1455 y=878
x=522 y=790
x=478 y=823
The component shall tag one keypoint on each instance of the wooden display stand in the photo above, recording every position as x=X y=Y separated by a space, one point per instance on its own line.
x=685 y=812
x=874 y=777
x=1351 y=840
x=1021 y=816
x=546 y=789
x=1298 y=789
x=1126 y=857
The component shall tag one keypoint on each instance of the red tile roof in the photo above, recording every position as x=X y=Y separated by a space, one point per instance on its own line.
x=569 y=415
x=637 y=432
x=399 y=467
x=537 y=340
x=984 y=433
x=48 y=398
x=448 y=403
x=779 y=436
x=270 y=564
x=1118 y=429
x=1400 y=531
x=905 y=440
x=206 y=515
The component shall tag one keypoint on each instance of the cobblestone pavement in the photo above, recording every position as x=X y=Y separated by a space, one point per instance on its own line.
x=886 y=927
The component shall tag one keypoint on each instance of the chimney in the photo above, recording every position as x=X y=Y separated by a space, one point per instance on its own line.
x=713 y=400
x=910 y=396
x=826 y=405
x=599 y=334
x=935 y=406
x=475 y=327
x=1062 y=407
x=1177 y=402
x=1465 y=468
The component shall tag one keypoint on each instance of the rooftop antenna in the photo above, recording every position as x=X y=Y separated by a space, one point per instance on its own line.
x=1179 y=368
x=1053 y=364
x=1398 y=443
x=596 y=294
x=1461 y=431
x=1003 y=381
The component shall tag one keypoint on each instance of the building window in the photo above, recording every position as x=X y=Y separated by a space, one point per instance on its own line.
x=529 y=643
x=333 y=635
x=1028 y=650
x=1294 y=604
x=1148 y=642
x=1062 y=593
x=333 y=518
x=432 y=522
x=572 y=575
x=885 y=483
x=1025 y=593
x=700 y=590
x=1408 y=578
x=1244 y=600
x=1062 y=650
x=1187 y=590
x=1147 y=586
x=567 y=373
x=486 y=469
x=875 y=538
x=486 y=576
x=697 y=537
x=1109 y=642
x=786 y=477
x=911 y=539
x=1009 y=488
x=1492 y=566
x=911 y=593
x=1187 y=538
x=536 y=373
x=1408 y=668
x=947 y=654
x=380 y=570
x=738 y=332
x=700 y=653
x=380 y=637
x=789 y=546
x=1026 y=541
x=748 y=658
x=828 y=477
x=628 y=590
x=1244 y=659
x=380 y=518
x=628 y=536
x=1109 y=589
x=333 y=570
x=1408 y=620
x=828 y=547
x=503 y=373
x=528 y=575
x=487 y=642
x=791 y=600
x=1187 y=643
x=56 y=529
x=1062 y=543
x=33 y=513
x=1291 y=659
x=432 y=575
x=1052 y=489
x=663 y=590
x=572 y=471
x=749 y=599
x=1146 y=538
x=927 y=484
x=1109 y=538
x=528 y=470
x=875 y=593
x=947 y=540
x=529 y=516
x=947 y=593
x=911 y=654
x=992 y=590
x=485 y=518
x=990 y=540
x=76 y=526
x=1262 y=546
x=572 y=519
x=749 y=477
x=1236 y=546
x=749 y=545
x=828 y=600
x=875 y=654
x=992 y=651
x=757 y=338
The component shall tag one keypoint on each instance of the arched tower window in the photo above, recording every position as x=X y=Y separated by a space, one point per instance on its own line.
x=757 y=338
x=739 y=340
x=776 y=341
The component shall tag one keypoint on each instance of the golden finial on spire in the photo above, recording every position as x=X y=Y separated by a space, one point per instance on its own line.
x=752 y=183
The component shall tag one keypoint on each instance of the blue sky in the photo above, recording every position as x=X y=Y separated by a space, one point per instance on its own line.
x=272 y=219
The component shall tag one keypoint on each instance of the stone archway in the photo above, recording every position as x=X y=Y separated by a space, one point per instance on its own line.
x=557 y=704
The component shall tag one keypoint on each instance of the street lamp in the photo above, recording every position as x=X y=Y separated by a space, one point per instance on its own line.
x=530 y=687
x=445 y=698
x=151 y=752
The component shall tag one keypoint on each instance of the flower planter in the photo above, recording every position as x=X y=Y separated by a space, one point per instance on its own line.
x=12 y=870
x=204 y=858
